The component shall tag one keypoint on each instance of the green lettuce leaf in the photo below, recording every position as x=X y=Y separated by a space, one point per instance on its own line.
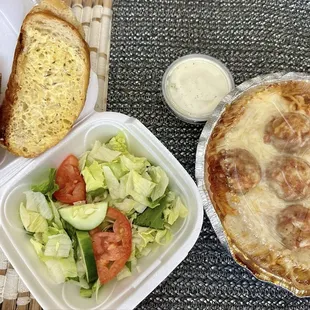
x=123 y=185
x=32 y=221
x=86 y=292
x=154 y=218
x=139 y=207
x=38 y=247
x=130 y=162
x=129 y=265
x=146 y=176
x=102 y=153
x=80 y=282
x=49 y=187
x=56 y=216
x=96 y=287
x=124 y=273
x=71 y=231
x=113 y=184
x=129 y=205
x=176 y=209
x=125 y=206
x=83 y=161
x=139 y=188
x=163 y=236
x=116 y=168
x=61 y=269
x=36 y=201
x=118 y=143
x=58 y=246
x=51 y=231
x=98 y=195
x=93 y=177
x=161 y=179
x=146 y=240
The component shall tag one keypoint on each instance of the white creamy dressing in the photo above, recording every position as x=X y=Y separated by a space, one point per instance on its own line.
x=195 y=86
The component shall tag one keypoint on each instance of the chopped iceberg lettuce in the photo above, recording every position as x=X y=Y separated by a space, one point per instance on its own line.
x=50 y=241
x=118 y=143
x=128 y=205
x=58 y=245
x=32 y=221
x=101 y=153
x=36 y=201
x=112 y=183
x=130 y=162
x=93 y=177
x=161 y=179
x=61 y=269
x=176 y=210
x=147 y=239
x=56 y=215
x=124 y=273
x=116 y=177
x=139 y=188
x=83 y=160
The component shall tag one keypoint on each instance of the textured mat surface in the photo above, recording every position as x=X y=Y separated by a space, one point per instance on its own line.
x=250 y=37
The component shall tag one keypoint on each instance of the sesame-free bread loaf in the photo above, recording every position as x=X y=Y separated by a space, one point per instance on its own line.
x=47 y=88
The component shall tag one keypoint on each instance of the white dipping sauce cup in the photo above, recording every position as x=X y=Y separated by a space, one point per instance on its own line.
x=194 y=85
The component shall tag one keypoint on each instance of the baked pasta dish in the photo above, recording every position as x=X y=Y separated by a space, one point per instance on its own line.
x=257 y=173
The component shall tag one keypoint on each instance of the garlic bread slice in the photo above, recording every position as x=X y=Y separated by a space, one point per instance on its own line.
x=47 y=87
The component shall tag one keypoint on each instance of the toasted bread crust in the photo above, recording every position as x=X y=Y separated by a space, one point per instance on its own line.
x=60 y=9
x=10 y=99
x=10 y=95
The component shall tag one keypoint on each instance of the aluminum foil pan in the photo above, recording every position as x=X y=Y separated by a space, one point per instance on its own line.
x=211 y=122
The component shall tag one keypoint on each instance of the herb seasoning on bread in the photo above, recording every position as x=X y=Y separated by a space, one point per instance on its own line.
x=48 y=84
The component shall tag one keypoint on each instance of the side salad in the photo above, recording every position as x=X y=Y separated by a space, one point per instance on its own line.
x=94 y=217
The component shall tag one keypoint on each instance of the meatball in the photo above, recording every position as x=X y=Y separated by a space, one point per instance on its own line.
x=240 y=168
x=289 y=132
x=289 y=177
x=293 y=226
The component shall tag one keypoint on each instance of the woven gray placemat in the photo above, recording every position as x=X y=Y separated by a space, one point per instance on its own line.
x=251 y=37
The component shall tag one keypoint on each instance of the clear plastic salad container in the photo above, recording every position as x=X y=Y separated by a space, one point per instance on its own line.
x=18 y=174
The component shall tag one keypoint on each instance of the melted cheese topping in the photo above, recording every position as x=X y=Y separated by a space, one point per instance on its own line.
x=255 y=223
x=249 y=132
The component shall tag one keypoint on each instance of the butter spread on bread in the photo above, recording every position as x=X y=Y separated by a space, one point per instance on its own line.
x=47 y=88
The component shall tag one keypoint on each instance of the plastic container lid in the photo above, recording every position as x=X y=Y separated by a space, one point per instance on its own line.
x=193 y=86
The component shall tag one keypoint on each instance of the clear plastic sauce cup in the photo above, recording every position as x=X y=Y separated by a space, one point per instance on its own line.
x=194 y=85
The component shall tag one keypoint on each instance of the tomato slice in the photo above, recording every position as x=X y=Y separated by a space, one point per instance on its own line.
x=112 y=249
x=72 y=187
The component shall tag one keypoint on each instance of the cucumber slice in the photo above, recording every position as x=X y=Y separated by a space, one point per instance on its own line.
x=87 y=254
x=85 y=217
